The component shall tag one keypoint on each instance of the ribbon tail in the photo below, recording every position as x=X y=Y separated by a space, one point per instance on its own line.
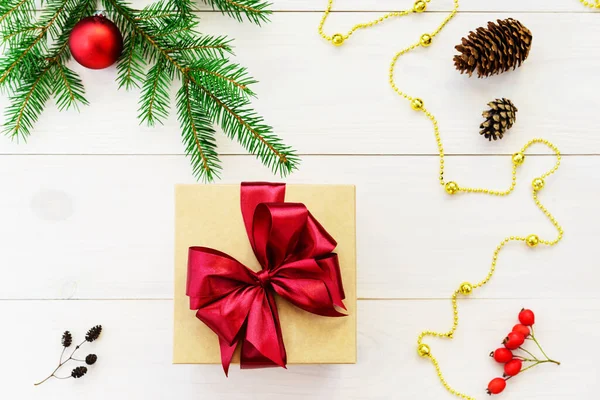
x=227 y=353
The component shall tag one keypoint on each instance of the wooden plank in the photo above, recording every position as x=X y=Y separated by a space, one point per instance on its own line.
x=134 y=354
x=434 y=5
x=304 y=79
x=102 y=227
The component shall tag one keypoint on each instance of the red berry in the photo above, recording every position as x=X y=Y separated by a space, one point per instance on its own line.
x=502 y=355
x=514 y=340
x=522 y=329
x=527 y=317
x=496 y=386
x=513 y=367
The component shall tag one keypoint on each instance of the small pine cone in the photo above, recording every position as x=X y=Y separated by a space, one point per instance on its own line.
x=91 y=359
x=498 y=119
x=67 y=339
x=93 y=333
x=78 y=372
x=499 y=48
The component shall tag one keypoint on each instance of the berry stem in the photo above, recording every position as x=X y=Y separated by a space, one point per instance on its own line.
x=538 y=345
x=528 y=352
x=52 y=375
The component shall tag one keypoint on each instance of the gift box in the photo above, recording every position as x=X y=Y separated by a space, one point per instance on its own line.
x=226 y=229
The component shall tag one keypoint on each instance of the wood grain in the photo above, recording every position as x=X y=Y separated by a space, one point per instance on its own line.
x=86 y=211
x=134 y=354
x=326 y=100
x=102 y=226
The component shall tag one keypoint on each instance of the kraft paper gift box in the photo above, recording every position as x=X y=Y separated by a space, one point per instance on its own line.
x=210 y=216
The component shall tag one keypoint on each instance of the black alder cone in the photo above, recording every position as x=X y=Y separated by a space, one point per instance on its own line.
x=93 y=333
x=67 y=339
x=91 y=359
x=493 y=50
x=78 y=372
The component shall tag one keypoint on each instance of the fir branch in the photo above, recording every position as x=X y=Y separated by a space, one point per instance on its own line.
x=154 y=101
x=29 y=45
x=28 y=102
x=255 y=11
x=198 y=136
x=216 y=91
x=203 y=47
x=68 y=89
x=243 y=124
x=130 y=69
x=13 y=12
x=230 y=77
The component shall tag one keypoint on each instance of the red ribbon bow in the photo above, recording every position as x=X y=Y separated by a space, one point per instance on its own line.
x=238 y=304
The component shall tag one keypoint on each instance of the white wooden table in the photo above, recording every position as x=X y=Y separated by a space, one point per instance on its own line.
x=86 y=211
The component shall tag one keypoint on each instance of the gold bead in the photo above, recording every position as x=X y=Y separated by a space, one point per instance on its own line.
x=417 y=104
x=466 y=289
x=419 y=6
x=532 y=240
x=337 y=39
x=451 y=187
x=424 y=350
x=426 y=40
x=538 y=184
x=518 y=158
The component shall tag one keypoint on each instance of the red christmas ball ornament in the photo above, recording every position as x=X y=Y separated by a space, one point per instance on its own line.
x=527 y=317
x=96 y=42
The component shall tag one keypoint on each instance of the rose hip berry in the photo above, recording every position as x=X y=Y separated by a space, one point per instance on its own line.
x=513 y=367
x=522 y=329
x=502 y=355
x=527 y=317
x=496 y=386
x=514 y=340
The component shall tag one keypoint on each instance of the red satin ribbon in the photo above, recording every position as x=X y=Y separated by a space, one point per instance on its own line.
x=238 y=304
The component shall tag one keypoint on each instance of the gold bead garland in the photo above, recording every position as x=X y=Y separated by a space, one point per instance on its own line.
x=451 y=187
x=595 y=4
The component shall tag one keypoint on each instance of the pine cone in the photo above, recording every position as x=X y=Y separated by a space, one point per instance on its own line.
x=93 y=333
x=91 y=359
x=67 y=339
x=499 y=118
x=494 y=50
x=78 y=372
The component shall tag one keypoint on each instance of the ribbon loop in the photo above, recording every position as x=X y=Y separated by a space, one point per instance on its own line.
x=238 y=304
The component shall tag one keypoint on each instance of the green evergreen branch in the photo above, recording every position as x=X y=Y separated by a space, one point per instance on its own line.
x=231 y=77
x=198 y=136
x=163 y=36
x=255 y=11
x=27 y=103
x=154 y=102
x=14 y=11
x=53 y=15
x=243 y=124
x=68 y=88
x=131 y=65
